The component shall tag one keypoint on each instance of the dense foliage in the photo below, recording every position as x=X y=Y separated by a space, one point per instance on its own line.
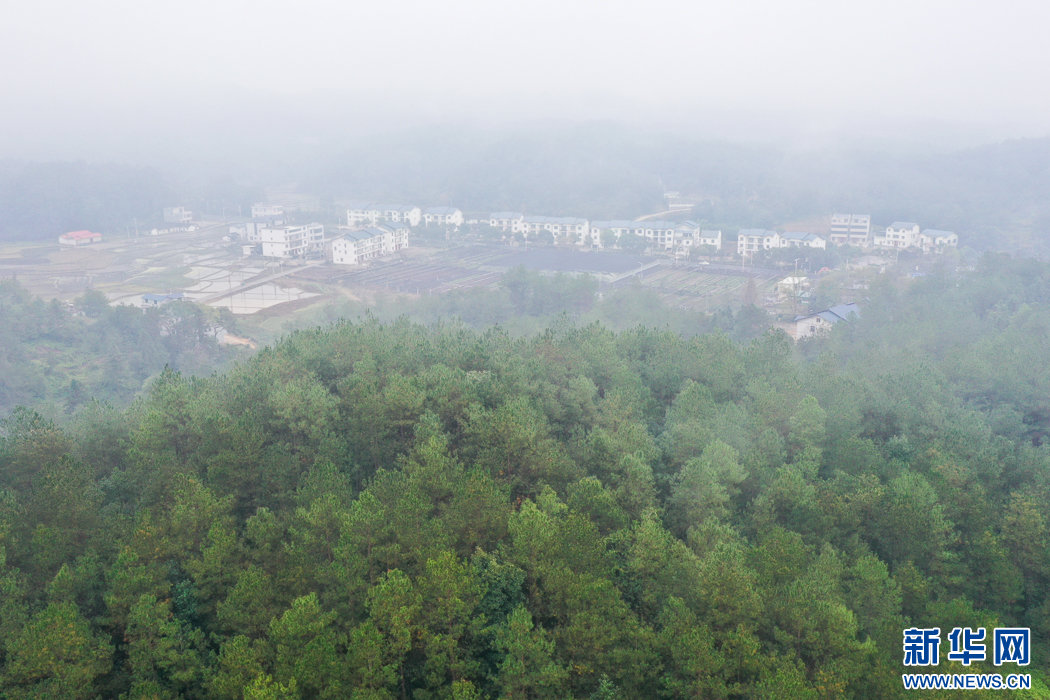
x=63 y=356
x=527 y=302
x=395 y=511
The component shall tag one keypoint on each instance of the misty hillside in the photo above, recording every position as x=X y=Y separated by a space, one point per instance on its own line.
x=599 y=170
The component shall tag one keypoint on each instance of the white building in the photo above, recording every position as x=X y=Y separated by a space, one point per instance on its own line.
x=356 y=247
x=752 y=240
x=607 y=233
x=251 y=230
x=822 y=321
x=663 y=235
x=660 y=234
x=154 y=300
x=366 y=213
x=557 y=225
x=933 y=240
x=75 y=238
x=505 y=220
x=852 y=229
x=261 y=210
x=177 y=215
x=711 y=238
x=358 y=213
x=291 y=241
x=899 y=234
x=402 y=214
x=443 y=216
x=799 y=239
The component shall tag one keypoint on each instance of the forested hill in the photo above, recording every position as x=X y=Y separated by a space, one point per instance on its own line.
x=40 y=201
x=58 y=357
x=397 y=511
x=995 y=196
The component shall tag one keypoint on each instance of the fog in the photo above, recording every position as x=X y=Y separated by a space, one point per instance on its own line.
x=208 y=81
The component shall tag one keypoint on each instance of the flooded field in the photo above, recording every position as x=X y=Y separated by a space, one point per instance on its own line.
x=211 y=281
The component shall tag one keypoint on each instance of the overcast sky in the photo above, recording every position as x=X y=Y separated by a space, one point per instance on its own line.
x=68 y=67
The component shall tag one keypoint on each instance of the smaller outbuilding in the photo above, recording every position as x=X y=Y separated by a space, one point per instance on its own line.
x=152 y=300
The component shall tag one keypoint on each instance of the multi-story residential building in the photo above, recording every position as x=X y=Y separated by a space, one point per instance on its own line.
x=752 y=240
x=358 y=246
x=402 y=214
x=358 y=213
x=661 y=234
x=443 y=216
x=899 y=234
x=851 y=229
x=608 y=233
x=250 y=230
x=267 y=210
x=664 y=235
x=799 y=239
x=363 y=212
x=177 y=215
x=505 y=220
x=291 y=241
x=557 y=225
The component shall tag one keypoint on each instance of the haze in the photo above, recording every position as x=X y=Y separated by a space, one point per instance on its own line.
x=121 y=79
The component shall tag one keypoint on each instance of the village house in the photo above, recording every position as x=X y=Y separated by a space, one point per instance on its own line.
x=752 y=240
x=267 y=210
x=558 y=226
x=291 y=241
x=154 y=300
x=931 y=240
x=364 y=212
x=76 y=238
x=402 y=213
x=850 y=229
x=660 y=234
x=177 y=215
x=505 y=220
x=443 y=216
x=353 y=247
x=687 y=236
x=711 y=238
x=358 y=213
x=799 y=239
x=607 y=233
x=899 y=234
x=822 y=321
x=250 y=230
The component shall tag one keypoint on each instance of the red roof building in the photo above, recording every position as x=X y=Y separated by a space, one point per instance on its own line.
x=79 y=238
